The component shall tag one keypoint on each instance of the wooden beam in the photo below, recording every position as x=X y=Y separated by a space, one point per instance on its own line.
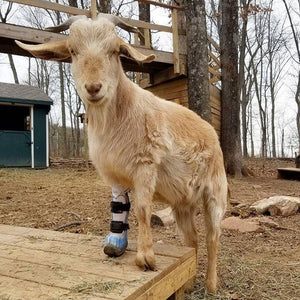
x=214 y=72
x=93 y=9
x=175 y=41
x=54 y=6
x=214 y=58
x=161 y=4
x=214 y=43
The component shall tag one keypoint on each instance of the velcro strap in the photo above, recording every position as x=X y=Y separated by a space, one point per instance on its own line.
x=119 y=207
x=118 y=226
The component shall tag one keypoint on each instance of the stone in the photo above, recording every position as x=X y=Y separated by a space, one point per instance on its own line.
x=242 y=225
x=277 y=205
x=163 y=217
x=265 y=221
x=284 y=208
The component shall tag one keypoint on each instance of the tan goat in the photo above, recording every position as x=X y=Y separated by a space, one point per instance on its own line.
x=160 y=150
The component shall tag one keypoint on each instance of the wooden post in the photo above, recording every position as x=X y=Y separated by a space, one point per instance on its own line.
x=137 y=74
x=147 y=37
x=175 y=41
x=93 y=9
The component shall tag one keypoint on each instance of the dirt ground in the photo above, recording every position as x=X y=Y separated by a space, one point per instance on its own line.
x=250 y=265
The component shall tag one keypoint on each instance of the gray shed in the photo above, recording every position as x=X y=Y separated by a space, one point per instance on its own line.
x=24 y=130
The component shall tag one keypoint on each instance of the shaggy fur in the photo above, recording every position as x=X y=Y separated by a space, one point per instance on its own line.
x=159 y=149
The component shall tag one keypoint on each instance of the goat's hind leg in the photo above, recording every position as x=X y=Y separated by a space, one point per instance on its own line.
x=214 y=211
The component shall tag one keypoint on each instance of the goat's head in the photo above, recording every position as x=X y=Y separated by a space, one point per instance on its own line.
x=95 y=49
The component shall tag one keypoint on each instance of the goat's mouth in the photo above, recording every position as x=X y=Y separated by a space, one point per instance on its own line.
x=95 y=99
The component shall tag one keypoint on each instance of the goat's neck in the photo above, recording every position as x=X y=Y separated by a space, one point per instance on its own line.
x=116 y=109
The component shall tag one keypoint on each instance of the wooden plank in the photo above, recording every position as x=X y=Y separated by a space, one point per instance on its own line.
x=32 y=35
x=214 y=43
x=214 y=58
x=175 y=42
x=78 y=11
x=214 y=72
x=16 y=289
x=171 y=282
x=289 y=173
x=147 y=38
x=161 y=4
x=65 y=280
x=93 y=242
x=93 y=9
x=54 y=6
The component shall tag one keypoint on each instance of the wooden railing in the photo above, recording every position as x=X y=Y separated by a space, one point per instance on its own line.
x=177 y=31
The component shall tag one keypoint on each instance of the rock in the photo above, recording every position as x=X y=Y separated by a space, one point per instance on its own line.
x=242 y=225
x=268 y=222
x=163 y=217
x=277 y=205
x=284 y=208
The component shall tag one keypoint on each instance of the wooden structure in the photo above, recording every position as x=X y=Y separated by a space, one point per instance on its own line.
x=289 y=173
x=167 y=73
x=44 y=264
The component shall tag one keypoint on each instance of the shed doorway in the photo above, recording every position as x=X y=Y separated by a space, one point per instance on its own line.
x=15 y=136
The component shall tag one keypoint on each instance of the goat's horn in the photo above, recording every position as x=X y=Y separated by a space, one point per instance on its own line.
x=118 y=22
x=66 y=25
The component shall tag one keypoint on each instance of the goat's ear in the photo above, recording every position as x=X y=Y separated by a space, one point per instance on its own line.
x=52 y=51
x=130 y=52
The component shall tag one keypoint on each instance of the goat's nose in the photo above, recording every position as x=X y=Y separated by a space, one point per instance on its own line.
x=93 y=88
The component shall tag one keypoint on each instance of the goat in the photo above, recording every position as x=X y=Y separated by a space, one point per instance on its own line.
x=159 y=149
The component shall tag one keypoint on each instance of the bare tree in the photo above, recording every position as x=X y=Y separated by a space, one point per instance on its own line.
x=297 y=60
x=230 y=130
x=3 y=18
x=198 y=81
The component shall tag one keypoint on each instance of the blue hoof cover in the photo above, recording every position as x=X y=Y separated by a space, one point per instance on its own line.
x=115 y=246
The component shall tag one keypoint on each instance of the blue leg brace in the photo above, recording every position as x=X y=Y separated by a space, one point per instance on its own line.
x=116 y=240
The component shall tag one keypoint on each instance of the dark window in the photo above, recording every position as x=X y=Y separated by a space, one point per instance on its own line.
x=13 y=117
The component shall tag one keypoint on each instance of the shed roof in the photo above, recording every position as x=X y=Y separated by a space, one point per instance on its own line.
x=23 y=92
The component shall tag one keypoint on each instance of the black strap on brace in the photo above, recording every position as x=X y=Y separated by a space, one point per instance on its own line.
x=119 y=207
x=118 y=226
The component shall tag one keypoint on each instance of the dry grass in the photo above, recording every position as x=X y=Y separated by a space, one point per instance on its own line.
x=102 y=287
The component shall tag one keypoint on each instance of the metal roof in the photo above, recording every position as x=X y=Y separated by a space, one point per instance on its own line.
x=23 y=92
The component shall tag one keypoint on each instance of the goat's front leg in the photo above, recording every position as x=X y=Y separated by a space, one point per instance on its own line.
x=144 y=191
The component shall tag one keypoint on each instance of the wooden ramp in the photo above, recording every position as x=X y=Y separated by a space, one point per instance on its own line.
x=43 y=264
x=289 y=173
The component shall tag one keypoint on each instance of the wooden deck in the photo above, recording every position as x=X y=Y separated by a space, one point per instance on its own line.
x=44 y=264
x=289 y=173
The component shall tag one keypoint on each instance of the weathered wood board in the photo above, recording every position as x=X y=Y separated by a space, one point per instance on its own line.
x=289 y=173
x=43 y=264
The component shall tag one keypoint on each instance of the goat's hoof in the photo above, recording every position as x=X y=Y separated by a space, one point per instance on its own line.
x=115 y=246
x=211 y=286
x=146 y=261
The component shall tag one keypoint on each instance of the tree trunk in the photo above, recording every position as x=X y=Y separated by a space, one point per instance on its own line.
x=198 y=81
x=63 y=111
x=13 y=68
x=104 y=6
x=230 y=130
